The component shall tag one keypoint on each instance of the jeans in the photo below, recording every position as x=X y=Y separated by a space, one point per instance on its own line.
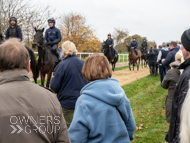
x=162 y=71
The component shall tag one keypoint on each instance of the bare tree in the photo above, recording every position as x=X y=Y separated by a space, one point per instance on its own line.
x=28 y=15
x=119 y=35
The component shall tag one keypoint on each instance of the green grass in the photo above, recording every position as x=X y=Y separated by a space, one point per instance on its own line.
x=147 y=99
x=121 y=68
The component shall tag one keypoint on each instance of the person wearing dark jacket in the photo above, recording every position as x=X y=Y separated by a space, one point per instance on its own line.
x=162 y=55
x=111 y=44
x=180 y=91
x=170 y=56
x=1 y=37
x=156 y=51
x=144 y=46
x=53 y=37
x=67 y=80
x=151 y=61
x=134 y=44
x=169 y=82
x=28 y=113
x=14 y=31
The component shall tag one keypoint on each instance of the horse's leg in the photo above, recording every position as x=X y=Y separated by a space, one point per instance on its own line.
x=48 y=79
x=42 y=75
x=129 y=65
x=133 y=64
x=142 y=63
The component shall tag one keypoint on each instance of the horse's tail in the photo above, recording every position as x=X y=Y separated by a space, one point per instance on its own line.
x=34 y=65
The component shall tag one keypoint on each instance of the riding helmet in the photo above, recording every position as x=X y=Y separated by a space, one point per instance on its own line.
x=109 y=34
x=51 y=20
x=13 y=18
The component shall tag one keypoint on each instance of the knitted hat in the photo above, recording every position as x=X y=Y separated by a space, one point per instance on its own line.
x=185 y=39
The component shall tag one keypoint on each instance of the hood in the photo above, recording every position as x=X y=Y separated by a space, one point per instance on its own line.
x=175 y=64
x=106 y=90
x=13 y=75
x=165 y=49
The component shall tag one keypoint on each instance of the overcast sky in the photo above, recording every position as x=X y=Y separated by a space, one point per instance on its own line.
x=158 y=20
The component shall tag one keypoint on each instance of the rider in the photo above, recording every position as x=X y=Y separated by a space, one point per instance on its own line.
x=144 y=46
x=134 y=44
x=111 y=43
x=53 y=37
x=14 y=31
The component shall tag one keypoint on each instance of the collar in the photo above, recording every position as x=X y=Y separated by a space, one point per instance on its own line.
x=185 y=64
x=13 y=75
x=69 y=57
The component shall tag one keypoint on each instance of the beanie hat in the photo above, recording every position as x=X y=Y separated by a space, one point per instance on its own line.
x=185 y=39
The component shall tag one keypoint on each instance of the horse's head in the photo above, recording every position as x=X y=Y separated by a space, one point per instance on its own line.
x=129 y=48
x=38 y=37
x=104 y=46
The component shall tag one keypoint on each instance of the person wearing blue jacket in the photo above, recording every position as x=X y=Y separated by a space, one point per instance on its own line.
x=102 y=113
x=170 y=56
x=14 y=31
x=53 y=37
x=67 y=80
x=134 y=44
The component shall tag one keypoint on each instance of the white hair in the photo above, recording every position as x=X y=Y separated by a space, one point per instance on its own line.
x=69 y=48
x=185 y=120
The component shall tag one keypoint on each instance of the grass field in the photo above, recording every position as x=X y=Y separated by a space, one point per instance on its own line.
x=147 y=99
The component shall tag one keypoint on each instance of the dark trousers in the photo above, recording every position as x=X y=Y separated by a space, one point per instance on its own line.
x=136 y=51
x=162 y=71
x=152 y=67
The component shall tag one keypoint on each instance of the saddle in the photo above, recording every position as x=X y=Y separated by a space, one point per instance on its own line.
x=59 y=52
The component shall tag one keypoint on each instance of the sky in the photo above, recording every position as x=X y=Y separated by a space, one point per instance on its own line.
x=158 y=20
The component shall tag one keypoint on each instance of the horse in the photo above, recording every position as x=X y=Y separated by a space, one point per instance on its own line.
x=133 y=58
x=144 y=60
x=110 y=56
x=33 y=65
x=46 y=60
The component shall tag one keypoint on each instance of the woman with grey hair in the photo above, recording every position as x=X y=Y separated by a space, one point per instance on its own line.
x=67 y=80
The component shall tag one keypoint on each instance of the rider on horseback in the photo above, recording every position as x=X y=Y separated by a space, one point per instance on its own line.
x=134 y=44
x=144 y=46
x=111 y=43
x=53 y=37
x=14 y=31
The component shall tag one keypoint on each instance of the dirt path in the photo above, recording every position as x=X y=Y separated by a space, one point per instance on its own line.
x=126 y=76
x=123 y=76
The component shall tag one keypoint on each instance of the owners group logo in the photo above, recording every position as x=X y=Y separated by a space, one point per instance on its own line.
x=39 y=124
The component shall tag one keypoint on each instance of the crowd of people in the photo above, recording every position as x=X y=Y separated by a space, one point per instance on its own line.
x=85 y=104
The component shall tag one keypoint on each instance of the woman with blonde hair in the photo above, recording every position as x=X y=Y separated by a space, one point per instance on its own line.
x=67 y=80
x=102 y=113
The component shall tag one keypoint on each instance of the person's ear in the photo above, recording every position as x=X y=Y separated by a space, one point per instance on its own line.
x=28 y=66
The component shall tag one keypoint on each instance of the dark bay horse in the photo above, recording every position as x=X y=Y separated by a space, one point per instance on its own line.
x=33 y=65
x=110 y=56
x=144 y=60
x=46 y=60
x=133 y=59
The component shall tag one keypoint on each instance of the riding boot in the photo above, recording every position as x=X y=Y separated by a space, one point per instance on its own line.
x=57 y=55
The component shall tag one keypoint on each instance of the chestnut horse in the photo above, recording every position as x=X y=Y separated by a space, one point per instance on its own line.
x=133 y=59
